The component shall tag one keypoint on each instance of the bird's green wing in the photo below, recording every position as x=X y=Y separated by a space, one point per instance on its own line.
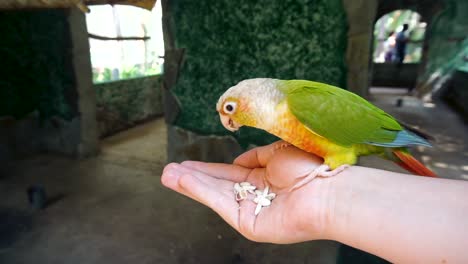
x=339 y=115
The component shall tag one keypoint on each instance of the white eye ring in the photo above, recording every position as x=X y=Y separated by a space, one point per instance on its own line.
x=230 y=107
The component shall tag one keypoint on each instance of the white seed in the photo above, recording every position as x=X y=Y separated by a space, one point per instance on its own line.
x=271 y=196
x=243 y=194
x=262 y=197
x=264 y=201
x=257 y=209
x=250 y=190
x=243 y=189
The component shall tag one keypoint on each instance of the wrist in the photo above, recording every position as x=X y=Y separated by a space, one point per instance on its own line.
x=342 y=190
x=328 y=205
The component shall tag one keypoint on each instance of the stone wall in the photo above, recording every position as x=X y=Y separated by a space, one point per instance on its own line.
x=456 y=92
x=28 y=136
x=393 y=75
x=122 y=104
x=38 y=103
x=45 y=70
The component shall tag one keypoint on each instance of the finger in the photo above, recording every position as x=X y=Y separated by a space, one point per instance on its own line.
x=208 y=193
x=174 y=172
x=219 y=170
x=254 y=158
x=215 y=193
x=289 y=165
x=170 y=179
x=258 y=157
x=240 y=215
x=205 y=178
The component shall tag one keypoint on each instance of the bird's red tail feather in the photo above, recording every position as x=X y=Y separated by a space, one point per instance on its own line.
x=408 y=162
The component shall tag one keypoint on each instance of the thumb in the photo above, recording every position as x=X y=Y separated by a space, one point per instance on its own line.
x=260 y=156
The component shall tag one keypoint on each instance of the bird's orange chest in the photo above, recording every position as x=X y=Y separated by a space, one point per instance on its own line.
x=293 y=131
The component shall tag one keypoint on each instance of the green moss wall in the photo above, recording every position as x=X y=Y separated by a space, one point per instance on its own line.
x=228 y=41
x=38 y=84
x=35 y=69
x=125 y=103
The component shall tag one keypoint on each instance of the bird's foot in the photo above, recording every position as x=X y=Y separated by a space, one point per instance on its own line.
x=329 y=173
x=281 y=145
x=321 y=171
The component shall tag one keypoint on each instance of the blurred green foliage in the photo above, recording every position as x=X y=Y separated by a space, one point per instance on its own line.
x=108 y=74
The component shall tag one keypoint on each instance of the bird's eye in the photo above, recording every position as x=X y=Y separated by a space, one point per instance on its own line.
x=230 y=107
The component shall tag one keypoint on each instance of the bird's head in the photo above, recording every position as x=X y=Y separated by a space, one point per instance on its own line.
x=249 y=103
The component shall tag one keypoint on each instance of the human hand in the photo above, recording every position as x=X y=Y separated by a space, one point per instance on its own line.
x=293 y=216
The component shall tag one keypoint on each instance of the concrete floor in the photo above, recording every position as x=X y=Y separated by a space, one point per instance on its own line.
x=113 y=209
x=449 y=155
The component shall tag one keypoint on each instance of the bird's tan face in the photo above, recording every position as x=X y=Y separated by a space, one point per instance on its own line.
x=249 y=103
x=227 y=109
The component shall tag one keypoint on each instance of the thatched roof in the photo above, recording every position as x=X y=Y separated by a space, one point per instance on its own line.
x=82 y=4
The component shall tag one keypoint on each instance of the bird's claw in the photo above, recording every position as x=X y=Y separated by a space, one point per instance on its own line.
x=321 y=171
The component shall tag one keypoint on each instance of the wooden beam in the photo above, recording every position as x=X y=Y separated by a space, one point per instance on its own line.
x=94 y=36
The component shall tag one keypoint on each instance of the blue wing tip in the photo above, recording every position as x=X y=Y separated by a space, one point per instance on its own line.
x=408 y=138
x=412 y=139
x=405 y=138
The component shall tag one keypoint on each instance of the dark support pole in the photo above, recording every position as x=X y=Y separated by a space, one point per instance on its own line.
x=173 y=59
x=361 y=16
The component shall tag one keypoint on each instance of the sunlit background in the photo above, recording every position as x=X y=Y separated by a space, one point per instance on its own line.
x=393 y=23
x=123 y=59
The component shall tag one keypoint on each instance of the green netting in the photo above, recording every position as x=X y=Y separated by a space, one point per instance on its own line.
x=448 y=45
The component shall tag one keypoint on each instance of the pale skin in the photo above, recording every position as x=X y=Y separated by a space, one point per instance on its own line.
x=399 y=217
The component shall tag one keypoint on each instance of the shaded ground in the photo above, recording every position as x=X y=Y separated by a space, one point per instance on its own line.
x=449 y=155
x=113 y=209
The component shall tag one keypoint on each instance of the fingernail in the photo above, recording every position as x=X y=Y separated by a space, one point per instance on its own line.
x=170 y=176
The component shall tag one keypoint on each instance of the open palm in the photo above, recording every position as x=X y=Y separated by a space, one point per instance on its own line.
x=293 y=216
